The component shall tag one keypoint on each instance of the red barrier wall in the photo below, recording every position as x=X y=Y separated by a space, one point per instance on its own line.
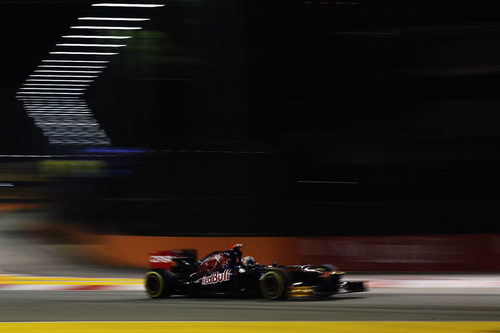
x=434 y=253
x=406 y=253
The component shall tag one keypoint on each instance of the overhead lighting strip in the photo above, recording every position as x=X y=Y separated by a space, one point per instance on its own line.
x=77 y=89
x=99 y=27
x=65 y=71
x=90 y=45
x=52 y=95
x=47 y=93
x=57 y=99
x=86 y=53
x=56 y=108
x=46 y=80
x=78 y=61
x=62 y=66
x=125 y=19
x=127 y=5
x=56 y=104
x=66 y=106
x=55 y=85
x=74 y=76
x=63 y=114
x=97 y=37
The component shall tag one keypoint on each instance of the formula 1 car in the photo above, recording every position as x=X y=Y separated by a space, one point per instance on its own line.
x=226 y=273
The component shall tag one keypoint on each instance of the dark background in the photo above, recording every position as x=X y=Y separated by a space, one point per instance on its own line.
x=390 y=108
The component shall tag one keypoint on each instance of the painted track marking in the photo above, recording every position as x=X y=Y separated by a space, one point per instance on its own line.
x=247 y=327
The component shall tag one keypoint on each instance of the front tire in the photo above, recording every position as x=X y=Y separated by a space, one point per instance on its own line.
x=273 y=285
x=159 y=283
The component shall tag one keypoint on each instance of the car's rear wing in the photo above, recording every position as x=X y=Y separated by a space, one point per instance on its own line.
x=166 y=259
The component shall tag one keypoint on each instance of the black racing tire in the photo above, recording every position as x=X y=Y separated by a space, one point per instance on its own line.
x=159 y=283
x=273 y=284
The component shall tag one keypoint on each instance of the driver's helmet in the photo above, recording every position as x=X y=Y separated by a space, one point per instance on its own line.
x=248 y=261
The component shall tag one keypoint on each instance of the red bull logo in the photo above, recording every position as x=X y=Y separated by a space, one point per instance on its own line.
x=216 y=277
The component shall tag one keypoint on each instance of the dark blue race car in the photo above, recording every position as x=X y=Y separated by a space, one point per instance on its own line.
x=178 y=272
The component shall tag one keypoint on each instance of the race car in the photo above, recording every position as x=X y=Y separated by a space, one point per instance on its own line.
x=178 y=272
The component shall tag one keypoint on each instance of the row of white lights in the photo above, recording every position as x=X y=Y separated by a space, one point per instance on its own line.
x=51 y=96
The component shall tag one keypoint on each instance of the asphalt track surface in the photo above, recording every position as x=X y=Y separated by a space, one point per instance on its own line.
x=378 y=305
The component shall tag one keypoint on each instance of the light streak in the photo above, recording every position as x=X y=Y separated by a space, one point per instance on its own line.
x=90 y=45
x=47 y=80
x=46 y=99
x=48 y=93
x=75 y=76
x=62 y=66
x=52 y=98
x=65 y=71
x=99 y=27
x=78 y=61
x=58 y=105
x=327 y=182
x=55 y=85
x=56 y=109
x=43 y=113
x=97 y=37
x=86 y=53
x=130 y=5
x=68 y=89
x=131 y=19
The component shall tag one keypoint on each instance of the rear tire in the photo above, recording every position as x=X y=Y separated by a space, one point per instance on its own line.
x=273 y=284
x=159 y=283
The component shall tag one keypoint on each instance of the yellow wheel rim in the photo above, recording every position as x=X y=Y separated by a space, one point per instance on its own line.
x=157 y=276
x=279 y=281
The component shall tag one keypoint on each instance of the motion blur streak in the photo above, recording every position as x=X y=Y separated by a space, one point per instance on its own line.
x=9 y=280
x=57 y=66
x=104 y=27
x=44 y=80
x=92 y=45
x=96 y=37
x=70 y=76
x=249 y=326
x=80 y=61
x=114 y=19
x=127 y=5
x=65 y=71
x=87 y=53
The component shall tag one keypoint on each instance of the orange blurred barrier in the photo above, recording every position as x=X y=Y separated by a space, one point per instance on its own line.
x=431 y=253
x=135 y=250
x=13 y=207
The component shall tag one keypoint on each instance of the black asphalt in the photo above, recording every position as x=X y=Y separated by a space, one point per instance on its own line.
x=379 y=305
